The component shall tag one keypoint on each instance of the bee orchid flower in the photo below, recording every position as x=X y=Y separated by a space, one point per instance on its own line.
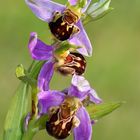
x=67 y=63
x=66 y=110
x=64 y=21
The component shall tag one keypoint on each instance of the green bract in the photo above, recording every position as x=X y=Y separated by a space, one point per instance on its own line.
x=98 y=111
x=97 y=10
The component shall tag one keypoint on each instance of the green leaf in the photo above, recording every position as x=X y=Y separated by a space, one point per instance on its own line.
x=13 y=129
x=98 y=111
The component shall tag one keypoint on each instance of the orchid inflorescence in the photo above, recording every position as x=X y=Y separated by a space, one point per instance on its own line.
x=62 y=112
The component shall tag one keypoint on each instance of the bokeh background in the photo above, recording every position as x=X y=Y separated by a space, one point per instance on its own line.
x=113 y=70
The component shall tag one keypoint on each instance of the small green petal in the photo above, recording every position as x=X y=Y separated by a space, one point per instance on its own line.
x=64 y=47
x=20 y=72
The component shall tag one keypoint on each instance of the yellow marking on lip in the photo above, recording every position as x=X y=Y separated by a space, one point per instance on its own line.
x=67 y=28
x=60 y=133
x=63 y=33
x=63 y=23
x=78 y=58
x=63 y=125
x=57 y=122
x=78 y=65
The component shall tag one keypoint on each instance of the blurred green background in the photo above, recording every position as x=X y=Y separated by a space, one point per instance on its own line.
x=113 y=70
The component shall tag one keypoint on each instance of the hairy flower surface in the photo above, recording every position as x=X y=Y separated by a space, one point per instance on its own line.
x=65 y=109
x=64 y=21
x=67 y=63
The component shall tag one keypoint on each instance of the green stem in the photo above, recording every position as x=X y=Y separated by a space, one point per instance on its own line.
x=29 y=134
x=34 y=74
x=31 y=66
x=31 y=131
x=34 y=126
x=34 y=103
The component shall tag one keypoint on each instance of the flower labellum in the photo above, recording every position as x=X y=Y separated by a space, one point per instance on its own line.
x=62 y=26
x=74 y=63
x=63 y=118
